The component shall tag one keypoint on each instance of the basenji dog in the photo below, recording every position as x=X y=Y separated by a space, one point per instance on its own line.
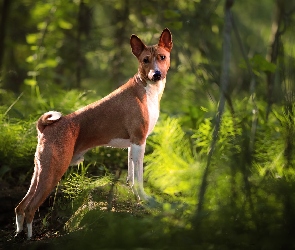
x=122 y=119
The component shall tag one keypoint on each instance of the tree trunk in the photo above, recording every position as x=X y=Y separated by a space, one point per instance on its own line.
x=121 y=35
x=78 y=50
x=273 y=52
x=3 y=25
x=223 y=90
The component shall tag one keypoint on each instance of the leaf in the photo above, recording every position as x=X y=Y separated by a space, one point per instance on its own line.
x=51 y=63
x=32 y=38
x=31 y=58
x=171 y=14
x=260 y=63
x=175 y=25
x=204 y=109
x=31 y=82
x=65 y=25
x=41 y=26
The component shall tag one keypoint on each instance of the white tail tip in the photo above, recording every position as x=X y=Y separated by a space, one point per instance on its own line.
x=54 y=115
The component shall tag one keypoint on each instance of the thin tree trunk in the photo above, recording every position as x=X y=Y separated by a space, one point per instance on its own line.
x=223 y=90
x=121 y=34
x=274 y=50
x=3 y=26
x=78 y=50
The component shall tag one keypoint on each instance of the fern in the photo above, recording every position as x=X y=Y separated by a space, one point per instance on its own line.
x=172 y=166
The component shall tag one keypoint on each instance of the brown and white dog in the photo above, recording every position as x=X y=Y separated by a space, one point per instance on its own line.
x=122 y=119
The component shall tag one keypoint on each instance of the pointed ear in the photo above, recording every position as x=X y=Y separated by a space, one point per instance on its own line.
x=137 y=45
x=166 y=40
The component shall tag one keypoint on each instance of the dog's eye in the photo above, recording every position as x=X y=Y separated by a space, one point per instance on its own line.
x=146 y=60
x=162 y=57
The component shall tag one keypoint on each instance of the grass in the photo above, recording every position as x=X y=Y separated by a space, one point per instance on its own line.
x=248 y=202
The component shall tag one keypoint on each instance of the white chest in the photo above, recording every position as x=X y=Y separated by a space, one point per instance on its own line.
x=154 y=94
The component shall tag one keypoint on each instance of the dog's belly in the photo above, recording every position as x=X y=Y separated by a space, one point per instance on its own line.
x=119 y=143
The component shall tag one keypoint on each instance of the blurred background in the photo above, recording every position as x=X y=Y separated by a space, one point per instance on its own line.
x=221 y=159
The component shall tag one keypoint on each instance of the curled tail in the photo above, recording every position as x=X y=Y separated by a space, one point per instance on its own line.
x=47 y=119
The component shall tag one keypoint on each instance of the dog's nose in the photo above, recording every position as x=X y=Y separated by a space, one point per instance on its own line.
x=157 y=75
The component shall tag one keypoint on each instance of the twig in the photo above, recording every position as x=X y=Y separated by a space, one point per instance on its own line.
x=10 y=107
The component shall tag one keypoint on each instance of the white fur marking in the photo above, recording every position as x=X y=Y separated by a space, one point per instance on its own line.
x=30 y=231
x=151 y=74
x=54 y=115
x=76 y=160
x=153 y=92
x=136 y=152
x=119 y=143
x=130 y=168
x=19 y=222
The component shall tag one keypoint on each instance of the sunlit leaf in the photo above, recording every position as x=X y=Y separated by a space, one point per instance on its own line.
x=51 y=63
x=31 y=58
x=32 y=38
x=65 y=25
x=31 y=82
x=41 y=25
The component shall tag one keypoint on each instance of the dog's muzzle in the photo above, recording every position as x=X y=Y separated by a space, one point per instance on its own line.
x=157 y=76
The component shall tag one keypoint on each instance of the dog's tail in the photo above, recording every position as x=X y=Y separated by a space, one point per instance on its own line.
x=47 y=119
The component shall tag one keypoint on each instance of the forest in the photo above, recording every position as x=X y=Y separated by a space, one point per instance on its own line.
x=221 y=160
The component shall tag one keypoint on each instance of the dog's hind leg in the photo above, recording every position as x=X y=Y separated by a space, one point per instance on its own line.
x=19 y=210
x=50 y=166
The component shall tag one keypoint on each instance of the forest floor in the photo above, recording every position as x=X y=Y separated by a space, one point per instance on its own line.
x=49 y=223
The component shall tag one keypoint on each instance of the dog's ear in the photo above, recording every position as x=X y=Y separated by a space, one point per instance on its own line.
x=137 y=45
x=166 y=40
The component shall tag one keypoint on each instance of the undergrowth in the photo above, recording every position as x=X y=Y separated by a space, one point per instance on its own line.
x=248 y=203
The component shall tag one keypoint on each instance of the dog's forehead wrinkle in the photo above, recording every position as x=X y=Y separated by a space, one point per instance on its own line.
x=151 y=50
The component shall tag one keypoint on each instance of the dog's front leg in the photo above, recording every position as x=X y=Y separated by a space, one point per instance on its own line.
x=135 y=170
x=130 y=175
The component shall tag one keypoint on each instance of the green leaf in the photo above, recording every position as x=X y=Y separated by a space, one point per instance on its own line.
x=204 y=109
x=65 y=25
x=41 y=25
x=31 y=58
x=171 y=14
x=31 y=82
x=175 y=25
x=34 y=47
x=51 y=63
x=261 y=64
x=32 y=38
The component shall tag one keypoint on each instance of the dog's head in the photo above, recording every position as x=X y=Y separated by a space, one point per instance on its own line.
x=154 y=61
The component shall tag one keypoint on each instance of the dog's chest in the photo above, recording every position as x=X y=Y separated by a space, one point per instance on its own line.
x=154 y=94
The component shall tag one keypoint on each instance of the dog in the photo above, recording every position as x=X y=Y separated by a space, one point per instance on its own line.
x=122 y=119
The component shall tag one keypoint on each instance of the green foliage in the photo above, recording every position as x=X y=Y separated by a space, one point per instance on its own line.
x=18 y=133
x=171 y=167
x=78 y=185
x=259 y=65
x=17 y=139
